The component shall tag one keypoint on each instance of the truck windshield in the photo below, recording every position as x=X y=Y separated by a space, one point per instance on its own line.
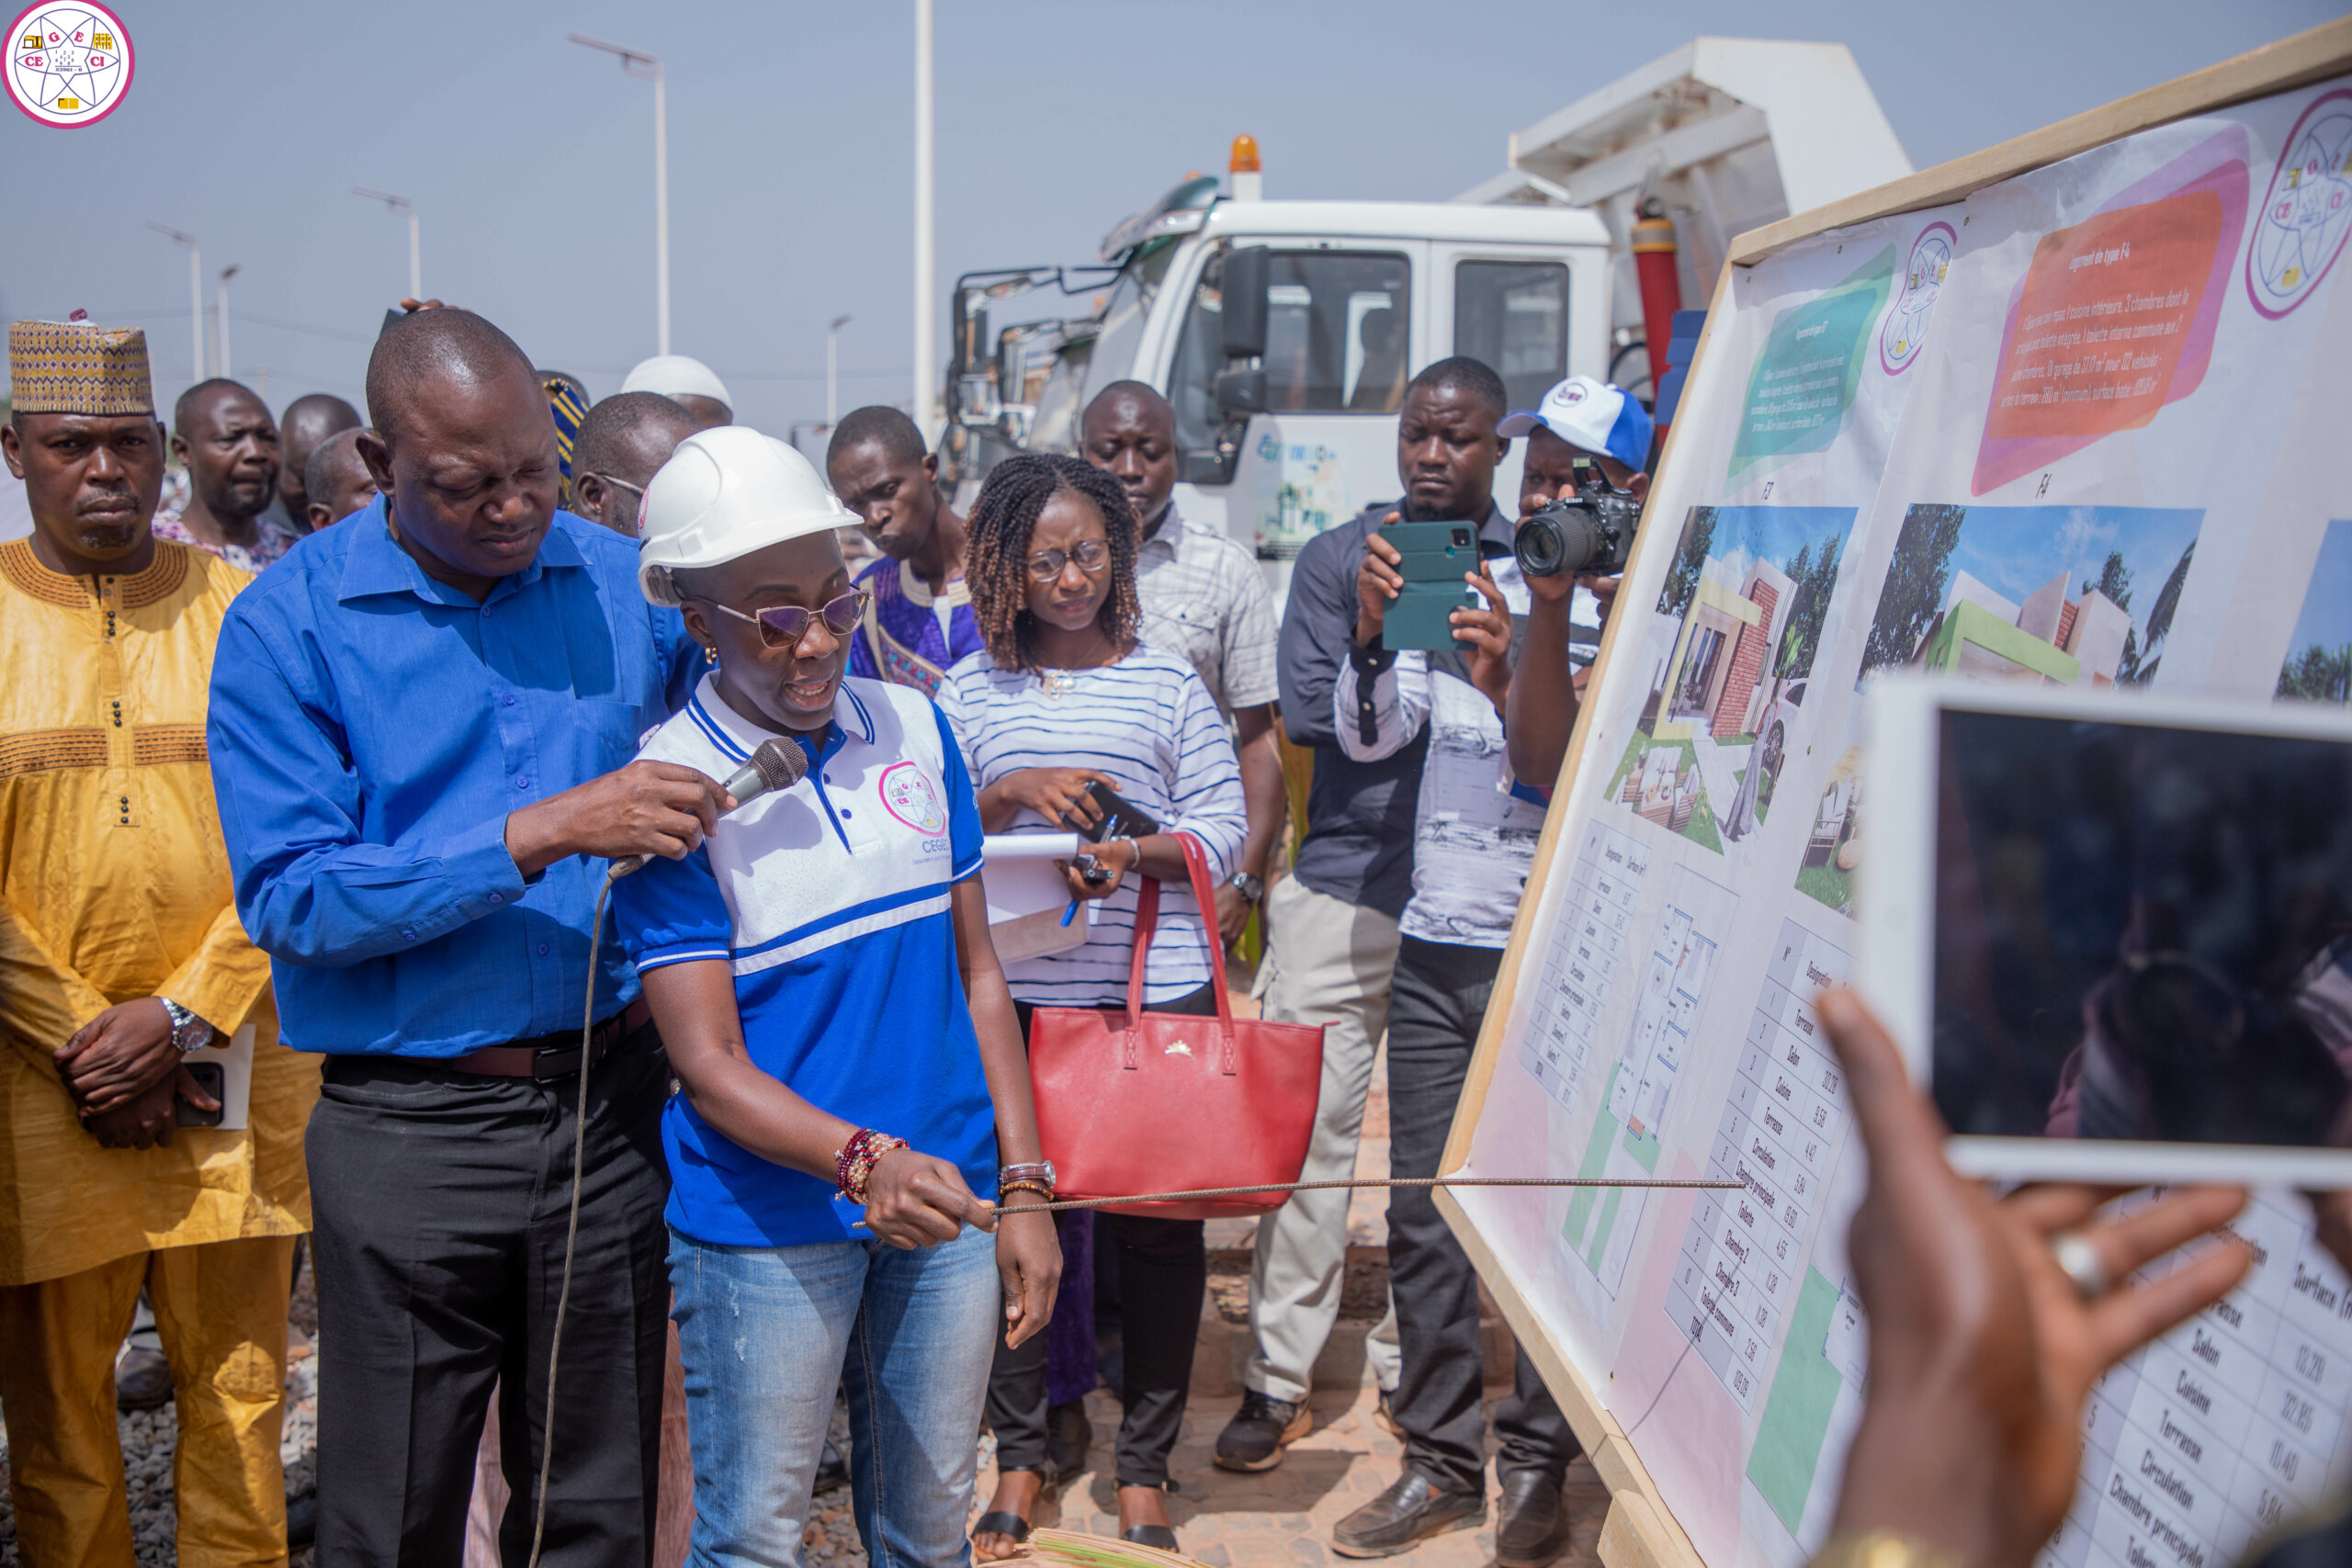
x=1113 y=358
x=1054 y=428
x=1336 y=324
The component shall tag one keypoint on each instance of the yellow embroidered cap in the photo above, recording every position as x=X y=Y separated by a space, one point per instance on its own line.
x=78 y=367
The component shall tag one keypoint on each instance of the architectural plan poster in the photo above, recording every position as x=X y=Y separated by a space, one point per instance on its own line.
x=2074 y=429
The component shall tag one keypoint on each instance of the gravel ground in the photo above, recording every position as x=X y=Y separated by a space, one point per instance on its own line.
x=149 y=1436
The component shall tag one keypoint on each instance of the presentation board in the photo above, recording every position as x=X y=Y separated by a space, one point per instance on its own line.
x=2058 y=412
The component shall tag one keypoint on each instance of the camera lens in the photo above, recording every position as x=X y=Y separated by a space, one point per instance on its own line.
x=1563 y=537
x=1537 y=544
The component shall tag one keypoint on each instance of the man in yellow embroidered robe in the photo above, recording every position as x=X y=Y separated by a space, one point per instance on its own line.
x=122 y=966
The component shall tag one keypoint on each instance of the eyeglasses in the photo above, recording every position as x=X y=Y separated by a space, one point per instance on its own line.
x=1093 y=556
x=782 y=626
x=637 y=491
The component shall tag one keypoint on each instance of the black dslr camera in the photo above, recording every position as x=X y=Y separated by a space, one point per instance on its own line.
x=1589 y=531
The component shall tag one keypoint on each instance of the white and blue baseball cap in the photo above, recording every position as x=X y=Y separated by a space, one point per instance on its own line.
x=1591 y=415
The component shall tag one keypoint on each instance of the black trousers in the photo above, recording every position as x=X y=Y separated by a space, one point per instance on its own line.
x=440 y=1200
x=1163 y=1273
x=1436 y=1003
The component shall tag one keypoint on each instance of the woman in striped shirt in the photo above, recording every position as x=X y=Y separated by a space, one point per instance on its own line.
x=1063 y=696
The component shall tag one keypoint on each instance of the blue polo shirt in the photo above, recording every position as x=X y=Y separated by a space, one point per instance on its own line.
x=830 y=904
x=370 y=729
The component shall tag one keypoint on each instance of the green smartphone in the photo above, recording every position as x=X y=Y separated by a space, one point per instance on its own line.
x=1421 y=615
x=1424 y=539
x=1432 y=559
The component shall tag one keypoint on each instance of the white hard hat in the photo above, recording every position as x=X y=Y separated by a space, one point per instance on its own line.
x=677 y=375
x=724 y=493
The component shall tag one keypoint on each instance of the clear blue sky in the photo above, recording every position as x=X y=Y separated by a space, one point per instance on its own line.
x=1778 y=532
x=791 y=149
x=2326 y=616
x=2015 y=550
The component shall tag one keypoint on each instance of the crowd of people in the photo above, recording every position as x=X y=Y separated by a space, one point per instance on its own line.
x=318 y=788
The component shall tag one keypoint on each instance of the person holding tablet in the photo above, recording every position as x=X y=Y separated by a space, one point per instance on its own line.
x=843 y=1038
x=1051 y=561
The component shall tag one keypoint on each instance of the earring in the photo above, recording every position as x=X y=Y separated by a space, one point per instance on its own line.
x=710 y=655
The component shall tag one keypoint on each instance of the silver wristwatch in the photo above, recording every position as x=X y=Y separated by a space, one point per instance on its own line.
x=1034 y=1171
x=190 y=1033
x=1253 y=888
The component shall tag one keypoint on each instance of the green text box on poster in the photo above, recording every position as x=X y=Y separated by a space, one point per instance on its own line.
x=1805 y=378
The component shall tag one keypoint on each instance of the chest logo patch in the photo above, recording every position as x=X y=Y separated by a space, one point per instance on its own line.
x=909 y=795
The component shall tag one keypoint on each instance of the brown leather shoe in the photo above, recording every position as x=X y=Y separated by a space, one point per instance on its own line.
x=1413 y=1509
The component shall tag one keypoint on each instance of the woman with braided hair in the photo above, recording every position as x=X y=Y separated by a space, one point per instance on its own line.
x=1063 y=696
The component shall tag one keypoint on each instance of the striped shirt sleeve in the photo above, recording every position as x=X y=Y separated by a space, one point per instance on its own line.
x=1208 y=792
x=964 y=834
x=953 y=700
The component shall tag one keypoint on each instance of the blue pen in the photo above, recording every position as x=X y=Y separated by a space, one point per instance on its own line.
x=1091 y=869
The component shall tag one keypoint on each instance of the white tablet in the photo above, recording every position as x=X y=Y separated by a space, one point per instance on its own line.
x=2112 y=932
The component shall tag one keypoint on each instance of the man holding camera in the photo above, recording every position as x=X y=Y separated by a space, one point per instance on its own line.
x=1582 y=433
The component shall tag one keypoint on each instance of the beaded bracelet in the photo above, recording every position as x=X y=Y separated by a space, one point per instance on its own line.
x=857 y=1158
x=1024 y=1185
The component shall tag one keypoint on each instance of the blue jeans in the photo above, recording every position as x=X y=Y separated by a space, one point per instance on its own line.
x=766 y=1332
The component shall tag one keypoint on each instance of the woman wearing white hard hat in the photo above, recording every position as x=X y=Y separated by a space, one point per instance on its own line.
x=821 y=970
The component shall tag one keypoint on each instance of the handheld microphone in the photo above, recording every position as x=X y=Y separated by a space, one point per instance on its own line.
x=777 y=765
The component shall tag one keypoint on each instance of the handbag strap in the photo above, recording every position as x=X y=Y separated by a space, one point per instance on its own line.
x=1196 y=864
x=1147 y=921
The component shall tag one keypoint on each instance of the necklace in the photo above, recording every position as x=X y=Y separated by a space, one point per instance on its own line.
x=1056 y=681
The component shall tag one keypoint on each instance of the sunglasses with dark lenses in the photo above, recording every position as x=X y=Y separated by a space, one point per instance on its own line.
x=1091 y=556
x=782 y=625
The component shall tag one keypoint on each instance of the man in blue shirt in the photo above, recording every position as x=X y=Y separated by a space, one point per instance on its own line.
x=420 y=732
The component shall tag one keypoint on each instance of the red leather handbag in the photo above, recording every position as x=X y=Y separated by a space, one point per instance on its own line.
x=1136 y=1101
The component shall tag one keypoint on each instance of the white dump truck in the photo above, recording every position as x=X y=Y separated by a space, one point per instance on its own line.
x=1284 y=331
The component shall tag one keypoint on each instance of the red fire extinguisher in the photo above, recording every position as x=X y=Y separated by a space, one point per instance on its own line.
x=1654 y=268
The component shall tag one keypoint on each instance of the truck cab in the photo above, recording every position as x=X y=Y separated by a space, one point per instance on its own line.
x=1283 y=333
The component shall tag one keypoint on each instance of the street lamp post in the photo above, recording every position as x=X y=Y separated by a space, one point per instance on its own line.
x=646 y=68
x=402 y=206
x=194 y=297
x=833 y=369
x=925 y=393
x=220 y=304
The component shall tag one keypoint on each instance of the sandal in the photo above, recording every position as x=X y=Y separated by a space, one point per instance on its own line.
x=1004 y=1521
x=999 y=1523
x=1159 y=1536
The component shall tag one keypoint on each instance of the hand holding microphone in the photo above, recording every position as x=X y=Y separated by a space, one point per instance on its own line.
x=777 y=765
x=644 y=810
